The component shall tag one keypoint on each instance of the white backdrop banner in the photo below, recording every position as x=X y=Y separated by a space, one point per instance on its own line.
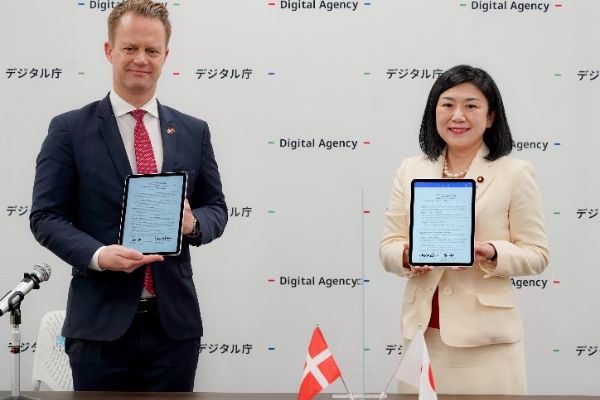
x=312 y=106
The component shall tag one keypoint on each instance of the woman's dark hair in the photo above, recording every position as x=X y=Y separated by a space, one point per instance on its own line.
x=497 y=138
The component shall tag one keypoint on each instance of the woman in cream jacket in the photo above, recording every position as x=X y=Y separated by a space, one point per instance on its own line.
x=474 y=332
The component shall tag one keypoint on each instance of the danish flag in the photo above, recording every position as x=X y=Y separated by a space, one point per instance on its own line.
x=320 y=369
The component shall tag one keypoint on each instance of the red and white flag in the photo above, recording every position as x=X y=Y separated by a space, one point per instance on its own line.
x=320 y=369
x=415 y=368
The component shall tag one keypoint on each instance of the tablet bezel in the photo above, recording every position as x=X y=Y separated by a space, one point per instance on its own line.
x=412 y=204
x=181 y=212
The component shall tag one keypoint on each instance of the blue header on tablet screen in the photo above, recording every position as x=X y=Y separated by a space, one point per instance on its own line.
x=448 y=183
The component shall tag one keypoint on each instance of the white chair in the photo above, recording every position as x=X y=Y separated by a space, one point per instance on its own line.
x=50 y=362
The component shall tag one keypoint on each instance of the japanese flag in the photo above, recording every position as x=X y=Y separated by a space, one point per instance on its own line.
x=415 y=368
x=320 y=369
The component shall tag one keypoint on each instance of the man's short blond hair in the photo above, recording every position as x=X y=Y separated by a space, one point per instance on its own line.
x=143 y=8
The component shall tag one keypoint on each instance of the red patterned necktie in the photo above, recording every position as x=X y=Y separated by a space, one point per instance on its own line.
x=146 y=164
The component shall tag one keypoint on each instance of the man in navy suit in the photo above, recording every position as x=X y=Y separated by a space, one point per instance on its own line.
x=133 y=321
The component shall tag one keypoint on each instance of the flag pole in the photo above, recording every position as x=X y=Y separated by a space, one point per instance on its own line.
x=341 y=376
x=346 y=387
x=383 y=394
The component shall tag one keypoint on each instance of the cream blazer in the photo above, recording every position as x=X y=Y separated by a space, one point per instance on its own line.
x=477 y=305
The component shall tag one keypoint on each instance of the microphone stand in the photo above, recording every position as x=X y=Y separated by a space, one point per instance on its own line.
x=15 y=349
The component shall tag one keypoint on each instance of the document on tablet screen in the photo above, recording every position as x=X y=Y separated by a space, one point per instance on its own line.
x=153 y=212
x=442 y=222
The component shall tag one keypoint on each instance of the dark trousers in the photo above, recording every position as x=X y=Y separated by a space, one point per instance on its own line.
x=145 y=359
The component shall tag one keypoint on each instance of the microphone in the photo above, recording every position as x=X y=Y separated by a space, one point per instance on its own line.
x=13 y=298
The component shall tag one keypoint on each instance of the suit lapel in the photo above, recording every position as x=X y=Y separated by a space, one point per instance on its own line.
x=169 y=136
x=482 y=171
x=112 y=138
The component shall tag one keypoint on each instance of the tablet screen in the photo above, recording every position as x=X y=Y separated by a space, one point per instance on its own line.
x=152 y=214
x=442 y=222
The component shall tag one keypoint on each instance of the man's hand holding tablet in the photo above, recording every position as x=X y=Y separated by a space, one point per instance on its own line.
x=119 y=258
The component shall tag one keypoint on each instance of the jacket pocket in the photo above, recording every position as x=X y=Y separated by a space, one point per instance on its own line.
x=410 y=294
x=497 y=299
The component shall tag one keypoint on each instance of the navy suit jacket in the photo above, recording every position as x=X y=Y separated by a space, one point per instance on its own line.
x=77 y=197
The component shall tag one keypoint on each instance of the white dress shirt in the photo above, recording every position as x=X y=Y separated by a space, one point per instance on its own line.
x=126 y=124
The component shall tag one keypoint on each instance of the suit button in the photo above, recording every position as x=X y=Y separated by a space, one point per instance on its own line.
x=447 y=291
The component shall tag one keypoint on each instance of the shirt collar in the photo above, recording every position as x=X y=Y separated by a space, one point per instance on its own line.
x=121 y=107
